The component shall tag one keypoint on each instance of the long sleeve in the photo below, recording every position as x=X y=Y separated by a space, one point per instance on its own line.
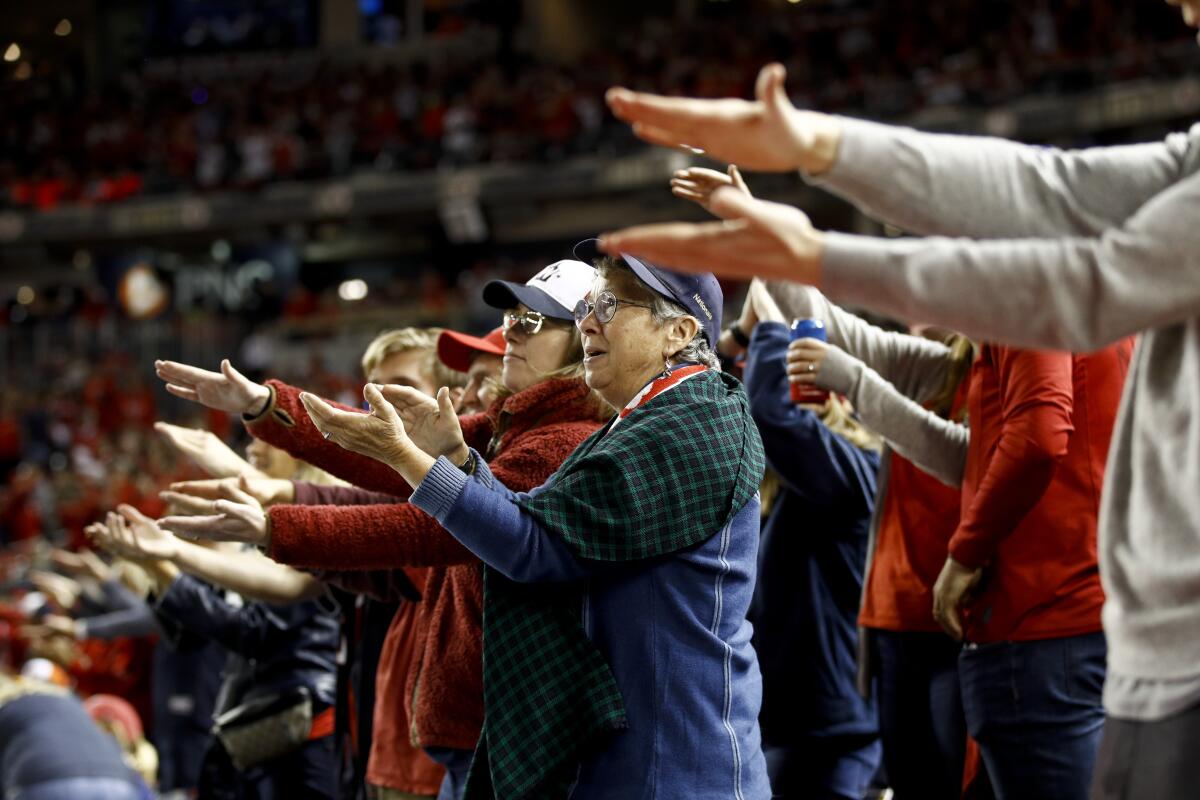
x=915 y=366
x=285 y=424
x=400 y=534
x=249 y=629
x=813 y=462
x=361 y=537
x=987 y=188
x=936 y=445
x=312 y=494
x=134 y=621
x=1037 y=398
x=119 y=598
x=512 y=541
x=1060 y=294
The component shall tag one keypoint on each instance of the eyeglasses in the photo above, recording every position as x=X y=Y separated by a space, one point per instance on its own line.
x=530 y=321
x=605 y=307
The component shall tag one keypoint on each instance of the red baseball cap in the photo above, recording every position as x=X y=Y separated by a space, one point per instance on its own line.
x=457 y=349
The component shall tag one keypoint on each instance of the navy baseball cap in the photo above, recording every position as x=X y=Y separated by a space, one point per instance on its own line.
x=700 y=294
x=554 y=291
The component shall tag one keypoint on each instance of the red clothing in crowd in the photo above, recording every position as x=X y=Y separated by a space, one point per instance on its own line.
x=1041 y=423
x=525 y=437
x=919 y=515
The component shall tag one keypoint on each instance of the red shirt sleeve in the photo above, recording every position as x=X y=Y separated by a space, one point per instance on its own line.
x=399 y=534
x=286 y=425
x=1036 y=402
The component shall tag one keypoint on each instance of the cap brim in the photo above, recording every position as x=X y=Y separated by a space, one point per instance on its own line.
x=456 y=350
x=508 y=294
x=647 y=276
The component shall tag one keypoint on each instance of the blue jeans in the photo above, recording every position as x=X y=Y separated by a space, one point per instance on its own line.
x=920 y=714
x=1035 y=710
x=76 y=788
x=457 y=764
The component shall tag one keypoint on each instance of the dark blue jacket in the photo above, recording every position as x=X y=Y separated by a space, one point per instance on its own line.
x=272 y=647
x=810 y=560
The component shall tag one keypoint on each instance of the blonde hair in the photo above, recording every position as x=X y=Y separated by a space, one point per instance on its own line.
x=405 y=340
x=959 y=361
x=837 y=415
x=572 y=369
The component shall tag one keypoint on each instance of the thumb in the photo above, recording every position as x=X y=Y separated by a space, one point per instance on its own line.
x=241 y=492
x=230 y=508
x=769 y=89
x=730 y=203
x=233 y=375
x=736 y=175
x=445 y=404
x=132 y=514
x=380 y=404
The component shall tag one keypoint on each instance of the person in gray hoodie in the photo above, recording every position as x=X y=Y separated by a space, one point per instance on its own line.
x=1067 y=250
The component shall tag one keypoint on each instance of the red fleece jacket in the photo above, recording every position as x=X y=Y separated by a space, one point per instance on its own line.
x=1040 y=429
x=525 y=437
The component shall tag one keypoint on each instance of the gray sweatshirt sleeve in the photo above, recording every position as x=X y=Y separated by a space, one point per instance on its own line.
x=988 y=188
x=1066 y=294
x=916 y=366
x=935 y=445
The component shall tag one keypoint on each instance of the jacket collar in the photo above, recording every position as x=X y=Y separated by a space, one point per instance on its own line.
x=555 y=400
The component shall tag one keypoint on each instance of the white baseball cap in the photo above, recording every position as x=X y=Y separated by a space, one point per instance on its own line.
x=553 y=292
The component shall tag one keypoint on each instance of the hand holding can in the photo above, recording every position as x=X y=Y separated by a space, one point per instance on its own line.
x=805 y=328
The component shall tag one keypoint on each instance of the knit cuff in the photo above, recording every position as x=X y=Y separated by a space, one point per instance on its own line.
x=839 y=371
x=440 y=489
x=270 y=411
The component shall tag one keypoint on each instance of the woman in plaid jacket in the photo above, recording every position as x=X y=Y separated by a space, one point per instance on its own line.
x=617 y=657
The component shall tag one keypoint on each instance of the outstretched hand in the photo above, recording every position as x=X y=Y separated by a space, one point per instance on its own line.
x=83 y=564
x=227 y=390
x=225 y=521
x=379 y=435
x=201 y=497
x=767 y=134
x=756 y=238
x=431 y=424
x=206 y=450
x=698 y=184
x=265 y=491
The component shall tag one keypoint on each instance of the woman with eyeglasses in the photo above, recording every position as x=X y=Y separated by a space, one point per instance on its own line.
x=617 y=655
x=548 y=411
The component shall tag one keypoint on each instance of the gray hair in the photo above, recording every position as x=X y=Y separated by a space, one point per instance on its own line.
x=698 y=349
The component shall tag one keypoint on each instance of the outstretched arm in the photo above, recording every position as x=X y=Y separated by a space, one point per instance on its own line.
x=924 y=183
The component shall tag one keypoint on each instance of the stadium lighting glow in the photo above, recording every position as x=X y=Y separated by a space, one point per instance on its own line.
x=353 y=290
x=63 y=28
x=24 y=71
x=25 y=295
x=12 y=53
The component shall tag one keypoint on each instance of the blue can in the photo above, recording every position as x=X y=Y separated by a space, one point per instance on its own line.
x=808 y=328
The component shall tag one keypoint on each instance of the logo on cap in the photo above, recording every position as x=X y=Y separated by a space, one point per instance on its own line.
x=546 y=274
x=703 y=307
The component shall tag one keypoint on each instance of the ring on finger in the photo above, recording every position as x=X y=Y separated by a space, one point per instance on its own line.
x=812 y=367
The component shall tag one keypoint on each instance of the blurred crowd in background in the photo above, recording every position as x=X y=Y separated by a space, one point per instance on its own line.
x=61 y=142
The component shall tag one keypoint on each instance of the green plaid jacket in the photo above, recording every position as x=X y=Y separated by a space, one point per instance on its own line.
x=671 y=475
